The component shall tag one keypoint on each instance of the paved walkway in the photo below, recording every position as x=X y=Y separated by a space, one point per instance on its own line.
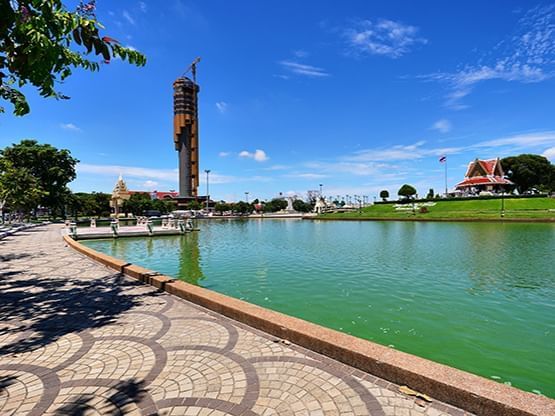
x=78 y=339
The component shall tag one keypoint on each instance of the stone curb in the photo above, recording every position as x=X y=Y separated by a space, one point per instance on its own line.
x=420 y=219
x=456 y=387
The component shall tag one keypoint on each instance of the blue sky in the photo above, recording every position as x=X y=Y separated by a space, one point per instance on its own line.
x=358 y=96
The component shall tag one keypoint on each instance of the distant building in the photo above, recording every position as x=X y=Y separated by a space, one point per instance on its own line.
x=120 y=194
x=484 y=176
x=157 y=194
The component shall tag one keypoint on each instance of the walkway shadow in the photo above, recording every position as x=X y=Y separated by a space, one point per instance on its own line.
x=10 y=257
x=49 y=308
x=5 y=382
x=127 y=392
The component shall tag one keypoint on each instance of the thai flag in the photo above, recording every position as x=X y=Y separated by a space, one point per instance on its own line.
x=443 y=159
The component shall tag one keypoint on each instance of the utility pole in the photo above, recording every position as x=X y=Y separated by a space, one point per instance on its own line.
x=207 y=188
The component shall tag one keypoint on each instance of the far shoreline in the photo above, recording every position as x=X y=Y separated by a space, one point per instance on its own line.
x=420 y=219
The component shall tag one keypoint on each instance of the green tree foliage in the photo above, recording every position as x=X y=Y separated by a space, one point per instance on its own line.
x=301 y=206
x=530 y=171
x=384 y=195
x=194 y=205
x=407 y=191
x=430 y=194
x=52 y=169
x=165 y=206
x=276 y=204
x=242 y=207
x=138 y=203
x=222 y=207
x=19 y=189
x=95 y=204
x=41 y=42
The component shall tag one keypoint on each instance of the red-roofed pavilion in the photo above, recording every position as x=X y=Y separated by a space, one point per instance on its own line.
x=484 y=175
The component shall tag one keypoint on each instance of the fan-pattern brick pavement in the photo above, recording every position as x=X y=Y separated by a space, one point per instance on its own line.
x=78 y=339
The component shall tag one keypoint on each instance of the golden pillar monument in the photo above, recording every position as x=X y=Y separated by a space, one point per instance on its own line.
x=186 y=134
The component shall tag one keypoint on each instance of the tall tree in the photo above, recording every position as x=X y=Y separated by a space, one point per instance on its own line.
x=408 y=191
x=530 y=171
x=19 y=189
x=41 y=42
x=301 y=206
x=53 y=169
x=138 y=203
x=384 y=194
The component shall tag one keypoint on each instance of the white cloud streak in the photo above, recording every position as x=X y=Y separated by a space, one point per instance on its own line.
x=222 y=107
x=528 y=56
x=299 y=53
x=70 y=127
x=143 y=173
x=443 y=126
x=383 y=37
x=258 y=155
x=128 y=17
x=303 y=69
x=150 y=185
x=550 y=154
x=307 y=175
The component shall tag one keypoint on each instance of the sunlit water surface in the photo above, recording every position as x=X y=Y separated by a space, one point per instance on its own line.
x=476 y=296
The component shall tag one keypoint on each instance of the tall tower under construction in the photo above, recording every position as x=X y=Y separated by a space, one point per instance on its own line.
x=185 y=136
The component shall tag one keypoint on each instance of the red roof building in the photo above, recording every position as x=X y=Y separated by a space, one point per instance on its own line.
x=157 y=194
x=484 y=175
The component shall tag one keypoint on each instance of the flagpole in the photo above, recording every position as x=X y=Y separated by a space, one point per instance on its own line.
x=446 y=177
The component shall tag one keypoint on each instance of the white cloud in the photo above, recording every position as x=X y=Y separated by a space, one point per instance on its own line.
x=299 y=53
x=128 y=17
x=370 y=161
x=527 y=56
x=258 y=155
x=400 y=152
x=521 y=140
x=285 y=77
x=222 y=107
x=384 y=37
x=70 y=127
x=142 y=6
x=148 y=173
x=132 y=171
x=350 y=168
x=303 y=69
x=277 y=167
x=550 y=153
x=150 y=185
x=308 y=175
x=443 y=126
x=224 y=154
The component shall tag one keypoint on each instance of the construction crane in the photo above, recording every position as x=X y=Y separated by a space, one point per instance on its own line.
x=193 y=69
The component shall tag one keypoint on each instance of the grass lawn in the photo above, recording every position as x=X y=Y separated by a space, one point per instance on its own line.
x=488 y=208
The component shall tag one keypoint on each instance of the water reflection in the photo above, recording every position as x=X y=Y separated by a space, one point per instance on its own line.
x=189 y=259
x=503 y=256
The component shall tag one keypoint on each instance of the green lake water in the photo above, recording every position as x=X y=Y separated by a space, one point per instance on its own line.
x=475 y=296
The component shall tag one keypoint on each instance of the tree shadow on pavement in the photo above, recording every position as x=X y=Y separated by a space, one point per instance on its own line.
x=127 y=392
x=44 y=309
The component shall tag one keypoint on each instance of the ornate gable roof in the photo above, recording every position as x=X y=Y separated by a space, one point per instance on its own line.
x=484 y=172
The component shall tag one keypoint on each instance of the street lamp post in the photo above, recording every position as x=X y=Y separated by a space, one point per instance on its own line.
x=207 y=171
x=509 y=174
x=247 y=197
x=321 y=190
